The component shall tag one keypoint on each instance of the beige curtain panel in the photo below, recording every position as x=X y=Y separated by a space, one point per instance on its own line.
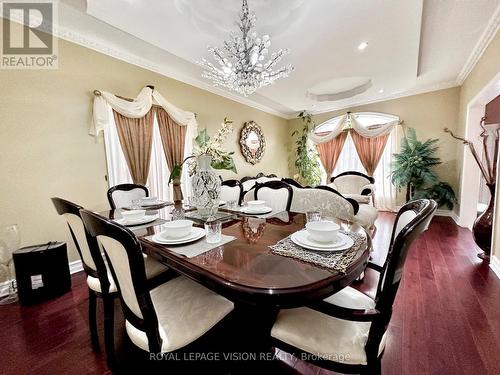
x=369 y=150
x=329 y=152
x=173 y=138
x=136 y=139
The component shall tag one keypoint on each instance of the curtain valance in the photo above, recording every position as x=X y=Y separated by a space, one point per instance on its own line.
x=317 y=138
x=371 y=131
x=138 y=108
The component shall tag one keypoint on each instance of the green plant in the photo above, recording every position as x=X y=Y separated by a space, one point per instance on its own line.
x=441 y=192
x=413 y=169
x=307 y=161
x=205 y=145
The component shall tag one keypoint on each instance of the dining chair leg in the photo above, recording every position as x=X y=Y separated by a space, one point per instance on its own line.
x=94 y=338
x=109 y=328
x=374 y=368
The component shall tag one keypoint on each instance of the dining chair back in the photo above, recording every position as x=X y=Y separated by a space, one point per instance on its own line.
x=231 y=190
x=98 y=281
x=411 y=220
x=92 y=260
x=122 y=195
x=164 y=318
x=277 y=194
x=126 y=262
x=349 y=321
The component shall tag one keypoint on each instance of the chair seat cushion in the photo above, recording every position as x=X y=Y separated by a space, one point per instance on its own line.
x=325 y=336
x=358 y=197
x=351 y=298
x=186 y=310
x=366 y=215
x=153 y=269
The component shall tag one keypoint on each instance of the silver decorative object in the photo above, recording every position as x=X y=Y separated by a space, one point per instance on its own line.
x=241 y=63
x=206 y=187
x=252 y=142
x=9 y=242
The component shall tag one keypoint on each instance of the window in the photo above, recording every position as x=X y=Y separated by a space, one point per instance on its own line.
x=385 y=192
x=118 y=172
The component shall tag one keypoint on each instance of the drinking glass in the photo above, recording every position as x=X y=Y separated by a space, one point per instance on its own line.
x=178 y=214
x=232 y=205
x=213 y=229
x=313 y=216
x=9 y=242
x=136 y=204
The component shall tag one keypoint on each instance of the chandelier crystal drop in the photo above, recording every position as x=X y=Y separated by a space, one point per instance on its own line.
x=241 y=63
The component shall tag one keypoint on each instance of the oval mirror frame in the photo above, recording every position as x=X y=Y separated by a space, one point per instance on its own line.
x=252 y=155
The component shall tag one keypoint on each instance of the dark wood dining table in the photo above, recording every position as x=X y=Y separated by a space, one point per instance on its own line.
x=246 y=271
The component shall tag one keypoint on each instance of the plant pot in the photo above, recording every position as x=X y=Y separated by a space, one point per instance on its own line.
x=482 y=229
x=206 y=187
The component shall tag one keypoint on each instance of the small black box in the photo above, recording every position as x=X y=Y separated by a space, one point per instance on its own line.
x=42 y=272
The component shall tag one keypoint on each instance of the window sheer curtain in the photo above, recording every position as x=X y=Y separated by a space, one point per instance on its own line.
x=385 y=192
x=370 y=130
x=159 y=173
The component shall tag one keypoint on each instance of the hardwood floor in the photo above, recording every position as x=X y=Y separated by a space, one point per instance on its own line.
x=446 y=317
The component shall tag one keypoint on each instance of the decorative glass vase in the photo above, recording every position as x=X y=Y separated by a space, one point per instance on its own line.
x=206 y=187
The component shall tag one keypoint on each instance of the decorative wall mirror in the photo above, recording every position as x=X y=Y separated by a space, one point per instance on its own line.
x=252 y=142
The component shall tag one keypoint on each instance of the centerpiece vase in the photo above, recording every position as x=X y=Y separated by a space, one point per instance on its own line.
x=482 y=229
x=206 y=187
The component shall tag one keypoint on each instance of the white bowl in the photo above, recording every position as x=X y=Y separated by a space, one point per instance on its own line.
x=133 y=214
x=255 y=205
x=323 y=231
x=177 y=228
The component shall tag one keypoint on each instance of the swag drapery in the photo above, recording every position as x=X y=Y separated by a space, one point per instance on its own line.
x=134 y=126
x=370 y=142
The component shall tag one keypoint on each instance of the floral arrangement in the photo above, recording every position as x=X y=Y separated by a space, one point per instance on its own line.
x=205 y=145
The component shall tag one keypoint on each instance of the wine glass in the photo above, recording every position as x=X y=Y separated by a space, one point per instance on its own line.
x=9 y=242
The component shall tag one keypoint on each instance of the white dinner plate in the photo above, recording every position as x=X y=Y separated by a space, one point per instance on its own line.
x=304 y=237
x=152 y=203
x=143 y=220
x=262 y=211
x=301 y=238
x=196 y=234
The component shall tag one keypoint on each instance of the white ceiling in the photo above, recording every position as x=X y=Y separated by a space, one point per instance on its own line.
x=413 y=46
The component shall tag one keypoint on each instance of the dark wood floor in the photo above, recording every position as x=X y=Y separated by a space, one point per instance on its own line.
x=446 y=317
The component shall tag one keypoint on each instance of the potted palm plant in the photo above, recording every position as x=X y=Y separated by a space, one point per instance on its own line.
x=413 y=169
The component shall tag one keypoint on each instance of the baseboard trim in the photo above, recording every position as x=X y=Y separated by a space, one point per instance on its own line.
x=495 y=265
x=448 y=213
x=74 y=267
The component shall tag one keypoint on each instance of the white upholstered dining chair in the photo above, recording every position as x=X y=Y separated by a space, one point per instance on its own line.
x=231 y=190
x=122 y=195
x=166 y=318
x=99 y=280
x=346 y=332
x=277 y=195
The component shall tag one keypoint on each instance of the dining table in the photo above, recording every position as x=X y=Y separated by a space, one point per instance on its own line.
x=246 y=270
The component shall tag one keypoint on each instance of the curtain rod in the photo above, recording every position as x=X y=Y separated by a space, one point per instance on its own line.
x=98 y=93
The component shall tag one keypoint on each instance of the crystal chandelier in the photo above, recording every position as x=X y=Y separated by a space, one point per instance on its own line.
x=241 y=63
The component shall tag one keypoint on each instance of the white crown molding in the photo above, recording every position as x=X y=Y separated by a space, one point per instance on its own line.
x=98 y=46
x=484 y=41
x=402 y=94
x=101 y=47
x=495 y=265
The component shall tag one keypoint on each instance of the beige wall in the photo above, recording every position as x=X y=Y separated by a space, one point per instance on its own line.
x=485 y=70
x=428 y=113
x=46 y=151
